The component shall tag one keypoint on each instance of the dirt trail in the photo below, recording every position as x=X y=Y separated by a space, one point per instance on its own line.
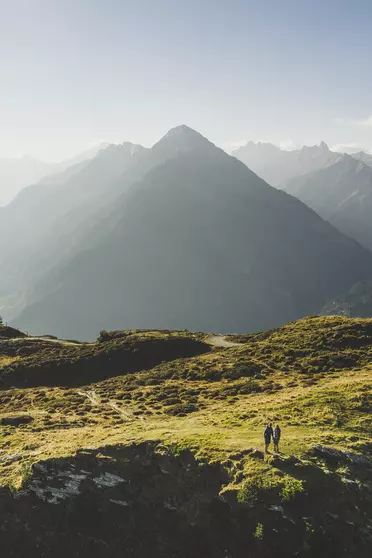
x=221 y=341
x=50 y=340
x=95 y=399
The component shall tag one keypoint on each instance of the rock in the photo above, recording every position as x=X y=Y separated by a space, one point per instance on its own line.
x=108 y=480
x=334 y=456
x=120 y=503
x=278 y=509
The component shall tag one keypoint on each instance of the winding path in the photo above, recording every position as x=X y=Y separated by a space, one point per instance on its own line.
x=221 y=341
x=48 y=339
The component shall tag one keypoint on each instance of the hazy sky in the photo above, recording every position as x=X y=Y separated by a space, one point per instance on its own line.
x=76 y=72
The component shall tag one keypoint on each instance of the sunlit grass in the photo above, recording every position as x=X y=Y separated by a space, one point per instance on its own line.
x=313 y=377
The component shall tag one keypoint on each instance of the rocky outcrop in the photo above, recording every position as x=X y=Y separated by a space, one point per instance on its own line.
x=116 y=501
x=147 y=500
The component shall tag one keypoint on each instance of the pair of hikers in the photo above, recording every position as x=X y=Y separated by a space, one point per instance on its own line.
x=274 y=434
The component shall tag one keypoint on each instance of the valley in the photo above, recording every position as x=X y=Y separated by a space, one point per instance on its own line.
x=185 y=279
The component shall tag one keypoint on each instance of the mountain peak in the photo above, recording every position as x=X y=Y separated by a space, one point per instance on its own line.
x=323 y=146
x=182 y=138
x=184 y=130
x=351 y=163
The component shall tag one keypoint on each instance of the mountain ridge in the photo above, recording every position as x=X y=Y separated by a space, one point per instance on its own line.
x=342 y=194
x=278 y=166
x=173 y=251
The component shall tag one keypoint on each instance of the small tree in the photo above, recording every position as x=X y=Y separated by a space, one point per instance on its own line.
x=1 y=321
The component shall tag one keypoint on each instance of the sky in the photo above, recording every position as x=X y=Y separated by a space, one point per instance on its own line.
x=75 y=73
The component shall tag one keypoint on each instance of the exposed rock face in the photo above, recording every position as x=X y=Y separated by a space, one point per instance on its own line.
x=336 y=457
x=147 y=501
x=131 y=501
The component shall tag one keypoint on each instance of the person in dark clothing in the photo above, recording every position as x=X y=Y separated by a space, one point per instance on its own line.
x=268 y=432
x=276 y=437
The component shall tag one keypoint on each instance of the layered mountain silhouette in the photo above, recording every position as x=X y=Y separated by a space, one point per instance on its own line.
x=278 y=166
x=42 y=224
x=16 y=174
x=186 y=237
x=364 y=157
x=342 y=194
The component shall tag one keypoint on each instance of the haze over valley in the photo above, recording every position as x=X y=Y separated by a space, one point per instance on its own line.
x=181 y=235
x=185 y=279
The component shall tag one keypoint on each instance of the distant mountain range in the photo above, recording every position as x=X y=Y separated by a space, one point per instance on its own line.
x=337 y=186
x=44 y=222
x=278 y=166
x=181 y=235
x=341 y=193
x=17 y=173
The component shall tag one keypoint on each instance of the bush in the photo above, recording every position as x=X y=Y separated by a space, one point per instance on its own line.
x=258 y=534
x=104 y=336
x=181 y=409
x=291 y=488
x=249 y=492
x=258 y=490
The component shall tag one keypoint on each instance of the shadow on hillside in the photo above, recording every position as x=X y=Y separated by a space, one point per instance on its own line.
x=77 y=366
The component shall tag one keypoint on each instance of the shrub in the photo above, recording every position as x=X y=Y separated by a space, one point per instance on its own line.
x=291 y=488
x=257 y=490
x=249 y=492
x=181 y=409
x=104 y=336
x=258 y=534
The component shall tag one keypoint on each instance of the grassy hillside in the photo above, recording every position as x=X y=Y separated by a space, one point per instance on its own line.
x=180 y=393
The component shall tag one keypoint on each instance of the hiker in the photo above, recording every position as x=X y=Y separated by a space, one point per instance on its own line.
x=268 y=432
x=276 y=437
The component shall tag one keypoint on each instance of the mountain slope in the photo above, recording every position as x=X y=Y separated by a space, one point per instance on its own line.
x=200 y=242
x=278 y=166
x=15 y=174
x=342 y=194
x=357 y=302
x=364 y=157
x=152 y=442
x=51 y=221
x=41 y=225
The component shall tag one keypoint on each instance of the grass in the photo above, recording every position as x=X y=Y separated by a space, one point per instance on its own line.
x=313 y=376
x=5 y=360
